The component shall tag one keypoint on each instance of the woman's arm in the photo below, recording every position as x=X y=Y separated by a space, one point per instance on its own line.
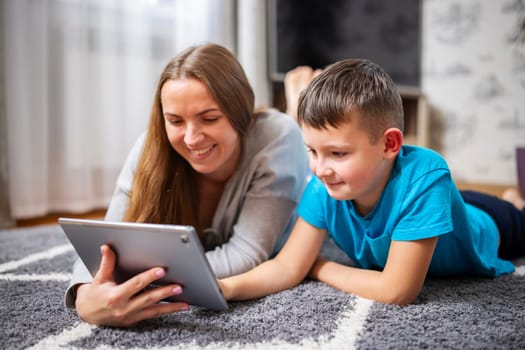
x=253 y=235
x=120 y=199
x=115 y=212
x=257 y=208
x=80 y=276
x=400 y=281
x=286 y=270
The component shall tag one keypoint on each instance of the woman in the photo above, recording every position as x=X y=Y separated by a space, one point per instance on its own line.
x=207 y=160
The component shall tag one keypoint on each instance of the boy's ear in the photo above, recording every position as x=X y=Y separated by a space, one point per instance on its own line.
x=393 y=139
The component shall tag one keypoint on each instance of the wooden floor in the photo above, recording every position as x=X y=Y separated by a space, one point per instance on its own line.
x=495 y=190
x=53 y=218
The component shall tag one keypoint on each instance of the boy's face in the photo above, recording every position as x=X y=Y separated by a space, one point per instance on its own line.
x=350 y=166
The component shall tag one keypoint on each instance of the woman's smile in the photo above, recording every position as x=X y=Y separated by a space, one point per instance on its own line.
x=201 y=153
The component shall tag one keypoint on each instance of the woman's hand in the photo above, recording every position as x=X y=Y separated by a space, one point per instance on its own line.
x=103 y=302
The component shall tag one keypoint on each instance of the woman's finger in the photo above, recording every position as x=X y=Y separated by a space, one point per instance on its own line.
x=139 y=282
x=154 y=296
x=107 y=265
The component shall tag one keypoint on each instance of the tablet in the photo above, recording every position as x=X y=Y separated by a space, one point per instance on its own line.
x=140 y=246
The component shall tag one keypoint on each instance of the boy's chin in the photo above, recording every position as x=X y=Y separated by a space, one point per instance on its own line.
x=340 y=196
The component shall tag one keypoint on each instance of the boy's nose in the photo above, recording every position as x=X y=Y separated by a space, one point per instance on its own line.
x=326 y=172
x=323 y=170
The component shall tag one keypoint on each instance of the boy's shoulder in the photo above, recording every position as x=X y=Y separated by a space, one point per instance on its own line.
x=411 y=154
x=415 y=164
x=408 y=148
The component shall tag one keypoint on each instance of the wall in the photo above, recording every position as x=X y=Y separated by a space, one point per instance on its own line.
x=5 y=214
x=474 y=78
x=472 y=72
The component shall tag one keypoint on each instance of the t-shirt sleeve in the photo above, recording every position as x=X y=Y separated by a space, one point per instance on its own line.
x=312 y=204
x=426 y=208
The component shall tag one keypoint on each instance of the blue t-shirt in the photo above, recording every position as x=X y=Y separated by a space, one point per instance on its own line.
x=419 y=201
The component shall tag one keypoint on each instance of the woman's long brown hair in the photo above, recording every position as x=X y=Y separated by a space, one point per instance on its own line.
x=164 y=187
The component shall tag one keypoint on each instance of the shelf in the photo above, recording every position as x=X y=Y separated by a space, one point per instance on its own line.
x=415 y=107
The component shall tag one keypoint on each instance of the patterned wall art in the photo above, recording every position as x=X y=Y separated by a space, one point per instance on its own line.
x=473 y=74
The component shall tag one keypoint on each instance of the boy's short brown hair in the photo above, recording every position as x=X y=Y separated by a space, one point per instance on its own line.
x=348 y=89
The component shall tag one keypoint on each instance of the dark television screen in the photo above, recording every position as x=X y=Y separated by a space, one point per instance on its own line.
x=320 y=32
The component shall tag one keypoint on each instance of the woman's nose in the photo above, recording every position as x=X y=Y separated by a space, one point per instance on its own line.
x=193 y=135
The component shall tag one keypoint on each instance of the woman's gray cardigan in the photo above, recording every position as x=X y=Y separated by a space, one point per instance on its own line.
x=256 y=211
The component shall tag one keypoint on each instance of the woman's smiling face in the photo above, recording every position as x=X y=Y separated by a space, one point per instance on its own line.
x=198 y=130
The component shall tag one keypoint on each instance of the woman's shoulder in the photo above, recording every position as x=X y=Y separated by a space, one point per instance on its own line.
x=275 y=135
x=271 y=129
x=136 y=148
x=275 y=123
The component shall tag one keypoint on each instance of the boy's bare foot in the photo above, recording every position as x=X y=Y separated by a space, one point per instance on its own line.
x=513 y=195
x=295 y=82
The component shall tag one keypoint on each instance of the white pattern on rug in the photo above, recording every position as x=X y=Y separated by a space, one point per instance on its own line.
x=349 y=324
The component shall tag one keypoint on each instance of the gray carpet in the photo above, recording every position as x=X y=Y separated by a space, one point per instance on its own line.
x=459 y=313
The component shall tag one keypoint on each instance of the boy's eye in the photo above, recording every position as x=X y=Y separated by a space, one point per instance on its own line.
x=310 y=150
x=339 y=154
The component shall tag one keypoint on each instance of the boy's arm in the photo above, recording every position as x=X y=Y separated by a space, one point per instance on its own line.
x=286 y=270
x=400 y=281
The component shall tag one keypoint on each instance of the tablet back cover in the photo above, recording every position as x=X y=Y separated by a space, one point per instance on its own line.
x=139 y=247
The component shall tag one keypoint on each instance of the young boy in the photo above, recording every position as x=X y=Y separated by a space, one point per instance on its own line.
x=392 y=208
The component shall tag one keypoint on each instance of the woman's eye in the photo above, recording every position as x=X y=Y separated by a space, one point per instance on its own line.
x=174 y=121
x=210 y=119
x=339 y=154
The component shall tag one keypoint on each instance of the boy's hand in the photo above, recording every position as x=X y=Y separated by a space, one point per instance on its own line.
x=224 y=289
x=103 y=302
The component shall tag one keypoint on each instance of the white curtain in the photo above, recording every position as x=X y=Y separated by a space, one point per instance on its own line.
x=79 y=82
x=252 y=47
